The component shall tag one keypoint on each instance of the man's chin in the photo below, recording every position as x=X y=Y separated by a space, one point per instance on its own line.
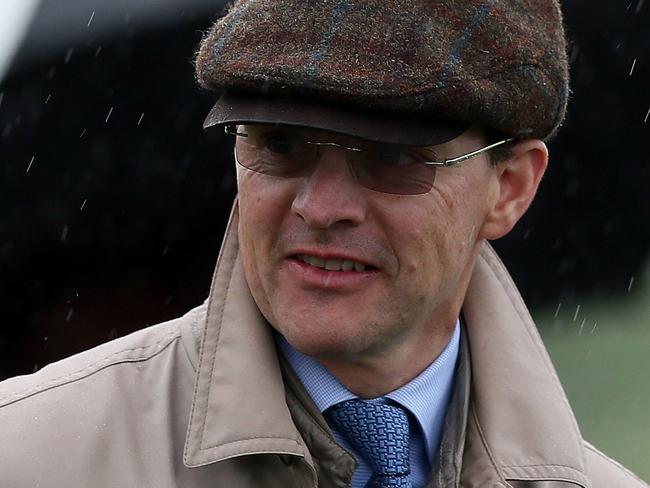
x=326 y=342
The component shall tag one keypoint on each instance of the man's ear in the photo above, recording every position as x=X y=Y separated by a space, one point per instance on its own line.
x=517 y=181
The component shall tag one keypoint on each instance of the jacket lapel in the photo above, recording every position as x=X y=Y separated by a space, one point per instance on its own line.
x=520 y=426
x=239 y=404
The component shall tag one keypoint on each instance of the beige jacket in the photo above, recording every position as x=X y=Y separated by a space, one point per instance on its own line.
x=203 y=401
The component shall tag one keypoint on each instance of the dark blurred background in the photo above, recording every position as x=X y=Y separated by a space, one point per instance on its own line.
x=113 y=200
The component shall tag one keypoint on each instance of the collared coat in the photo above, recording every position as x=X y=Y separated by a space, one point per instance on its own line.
x=205 y=401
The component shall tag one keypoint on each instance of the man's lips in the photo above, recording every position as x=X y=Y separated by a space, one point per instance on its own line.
x=341 y=262
x=330 y=271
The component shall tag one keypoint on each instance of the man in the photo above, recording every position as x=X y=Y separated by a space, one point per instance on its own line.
x=359 y=330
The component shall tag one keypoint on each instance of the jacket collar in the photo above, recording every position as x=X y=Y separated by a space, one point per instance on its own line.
x=239 y=405
x=519 y=426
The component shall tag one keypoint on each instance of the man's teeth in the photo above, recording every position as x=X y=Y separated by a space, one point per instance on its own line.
x=332 y=264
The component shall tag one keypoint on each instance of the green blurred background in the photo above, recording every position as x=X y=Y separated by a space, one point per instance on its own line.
x=601 y=350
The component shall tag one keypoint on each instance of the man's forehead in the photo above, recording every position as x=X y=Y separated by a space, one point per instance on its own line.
x=375 y=126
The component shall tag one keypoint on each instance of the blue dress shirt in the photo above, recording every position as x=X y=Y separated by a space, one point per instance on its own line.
x=425 y=398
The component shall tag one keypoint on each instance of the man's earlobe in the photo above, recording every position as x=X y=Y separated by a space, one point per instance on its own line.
x=518 y=180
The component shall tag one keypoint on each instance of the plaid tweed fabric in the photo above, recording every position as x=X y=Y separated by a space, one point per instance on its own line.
x=380 y=433
x=499 y=63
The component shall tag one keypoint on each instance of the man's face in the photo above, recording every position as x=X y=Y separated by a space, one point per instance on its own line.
x=411 y=255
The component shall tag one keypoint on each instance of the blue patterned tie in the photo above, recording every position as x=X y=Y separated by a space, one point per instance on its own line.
x=379 y=433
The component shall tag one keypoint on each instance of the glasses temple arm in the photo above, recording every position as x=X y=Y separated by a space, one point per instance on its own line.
x=464 y=157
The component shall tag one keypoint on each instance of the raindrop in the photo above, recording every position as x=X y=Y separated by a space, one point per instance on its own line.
x=69 y=314
x=582 y=325
x=141 y=117
x=593 y=329
x=47 y=100
x=64 y=233
x=557 y=311
x=575 y=316
x=83 y=132
x=90 y=21
x=646 y=116
x=68 y=55
x=2 y=95
x=629 y=286
x=98 y=50
x=29 y=166
x=83 y=204
x=109 y=115
x=633 y=65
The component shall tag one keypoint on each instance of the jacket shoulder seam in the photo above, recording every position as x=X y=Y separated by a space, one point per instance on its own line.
x=89 y=370
x=561 y=472
x=572 y=468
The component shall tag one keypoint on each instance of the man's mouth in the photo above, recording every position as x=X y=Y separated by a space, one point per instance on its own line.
x=333 y=264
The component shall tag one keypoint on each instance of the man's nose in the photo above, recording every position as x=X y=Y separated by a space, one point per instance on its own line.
x=330 y=194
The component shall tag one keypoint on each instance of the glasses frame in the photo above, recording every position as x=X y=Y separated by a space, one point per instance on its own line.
x=231 y=130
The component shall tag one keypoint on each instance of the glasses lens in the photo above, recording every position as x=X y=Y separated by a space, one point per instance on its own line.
x=393 y=170
x=274 y=151
x=287 y=153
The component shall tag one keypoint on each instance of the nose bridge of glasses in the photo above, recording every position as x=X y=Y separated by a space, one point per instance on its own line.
x=330 y=152
x=333 y=160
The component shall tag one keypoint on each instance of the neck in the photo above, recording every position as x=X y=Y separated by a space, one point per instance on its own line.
x=378 y=374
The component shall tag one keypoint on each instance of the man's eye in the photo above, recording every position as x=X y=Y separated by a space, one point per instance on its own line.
x=280 y=143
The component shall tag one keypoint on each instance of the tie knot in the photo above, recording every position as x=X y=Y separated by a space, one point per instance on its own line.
x=378 y=432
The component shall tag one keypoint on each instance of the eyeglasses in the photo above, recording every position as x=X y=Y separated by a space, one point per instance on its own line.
x=287 y=152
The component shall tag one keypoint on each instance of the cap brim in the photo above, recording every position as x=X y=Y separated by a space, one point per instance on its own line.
x=375 y=126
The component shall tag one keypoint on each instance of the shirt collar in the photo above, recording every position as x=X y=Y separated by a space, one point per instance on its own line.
x=426 y=396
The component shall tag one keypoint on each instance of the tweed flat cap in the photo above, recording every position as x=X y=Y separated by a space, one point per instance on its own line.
x=498 y=63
